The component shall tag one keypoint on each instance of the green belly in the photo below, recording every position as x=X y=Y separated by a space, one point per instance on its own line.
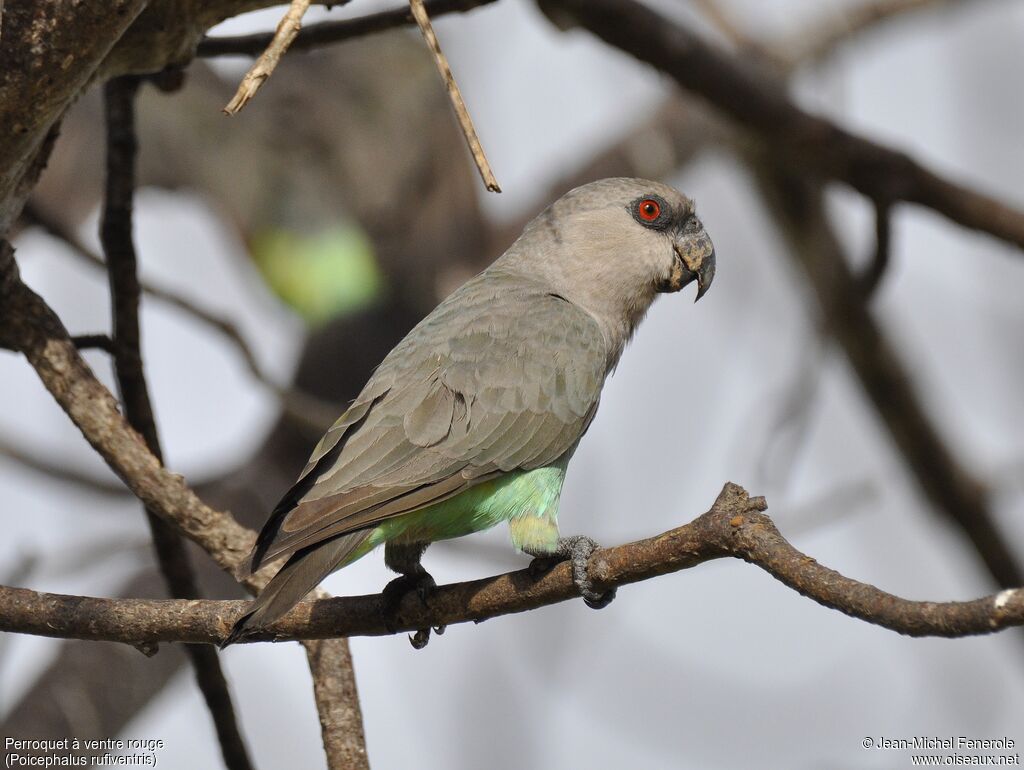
x=527 y=500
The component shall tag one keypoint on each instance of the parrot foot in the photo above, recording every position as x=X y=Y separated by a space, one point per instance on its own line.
x=576 y=550
x=391 y=597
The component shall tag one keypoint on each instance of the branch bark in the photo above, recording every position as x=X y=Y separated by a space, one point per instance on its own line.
x=49 y=54
x=734 y=527
x=52 y=51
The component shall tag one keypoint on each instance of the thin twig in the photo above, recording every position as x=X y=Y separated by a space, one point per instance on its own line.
x=60 y=470
x=287 y=29
x=330 y=32
x=790 y=419
x=465 y=121
x=872 y=276
x=734 y=527
x=822 y=37
x=126 y=293
x=94 y=342
x=314 y=414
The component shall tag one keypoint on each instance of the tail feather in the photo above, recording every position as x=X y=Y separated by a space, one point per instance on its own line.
x=300 y=575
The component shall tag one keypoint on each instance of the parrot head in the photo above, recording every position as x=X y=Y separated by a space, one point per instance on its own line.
x=613 y=245
x=635 y=233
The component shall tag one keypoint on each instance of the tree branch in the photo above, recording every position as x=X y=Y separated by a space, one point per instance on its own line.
x=825 y=36
x=455 y=96
x=337 y=703
x=761 y=104
x=799 y=207
x=50 y=52
x=734 y=527
x=94 y=342
x=42 y=463
x=307 y=410
x=265 y=65
x=30 y=326
x=873 y=274
x=329 y=32
x=126 y=293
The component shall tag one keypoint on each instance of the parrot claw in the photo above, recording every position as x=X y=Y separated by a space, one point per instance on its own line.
x=391 y=597
x=577 y=551
x=420 y=639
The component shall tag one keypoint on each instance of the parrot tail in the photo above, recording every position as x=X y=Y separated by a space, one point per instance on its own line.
x=300 y=575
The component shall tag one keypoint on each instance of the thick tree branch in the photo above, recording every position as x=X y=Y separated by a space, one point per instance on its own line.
x=800 y=140
x=74 y=694
x=337 y=703
x=126 y=294
x=50 y=52
x=734 y=527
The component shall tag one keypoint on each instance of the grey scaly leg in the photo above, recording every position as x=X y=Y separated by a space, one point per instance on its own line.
x=576 y=550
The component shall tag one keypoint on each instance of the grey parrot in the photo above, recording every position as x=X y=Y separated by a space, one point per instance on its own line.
x=473 y=417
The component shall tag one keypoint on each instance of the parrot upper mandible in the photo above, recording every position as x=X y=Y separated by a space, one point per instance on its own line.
x=473 y=417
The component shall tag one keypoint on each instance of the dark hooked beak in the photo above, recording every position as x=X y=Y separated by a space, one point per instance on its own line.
x=695 y=260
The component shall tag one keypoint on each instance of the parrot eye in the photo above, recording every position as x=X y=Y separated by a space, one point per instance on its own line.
x=651 y=212
x=649 y=209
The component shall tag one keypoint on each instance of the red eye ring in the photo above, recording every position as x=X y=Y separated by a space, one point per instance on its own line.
x=648 y=209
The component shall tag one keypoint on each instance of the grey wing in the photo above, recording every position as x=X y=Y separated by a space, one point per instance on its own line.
x=499 y=377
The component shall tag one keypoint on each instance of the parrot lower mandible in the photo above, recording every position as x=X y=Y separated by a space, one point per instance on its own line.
x=473 y=417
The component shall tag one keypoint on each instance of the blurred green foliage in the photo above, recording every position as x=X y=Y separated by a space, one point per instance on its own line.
x=321 y=275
